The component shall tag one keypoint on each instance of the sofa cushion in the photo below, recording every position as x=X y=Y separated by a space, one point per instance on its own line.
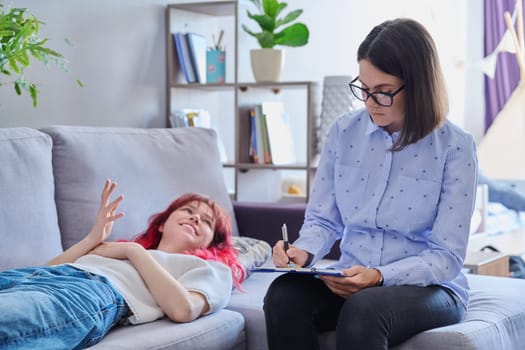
x=223 y=330
x=28 y=218
x=252 y=252
x=151 y=166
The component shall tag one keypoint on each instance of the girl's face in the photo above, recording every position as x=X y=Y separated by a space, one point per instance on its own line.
x=374 y=80
x=189 y=227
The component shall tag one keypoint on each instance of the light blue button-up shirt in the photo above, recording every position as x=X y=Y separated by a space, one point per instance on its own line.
x=406 y=212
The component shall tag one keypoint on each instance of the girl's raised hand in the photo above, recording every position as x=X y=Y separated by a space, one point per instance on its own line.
x=106 y=214
x=100 y=230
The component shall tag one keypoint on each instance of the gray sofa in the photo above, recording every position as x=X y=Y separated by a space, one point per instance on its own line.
x=50 y=180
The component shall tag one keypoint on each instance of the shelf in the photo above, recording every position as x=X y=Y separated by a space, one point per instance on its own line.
x=224 y=102
x=244 y=86
x=206 y=87
x=247 y=166
x=277 y=85
x=216 y=9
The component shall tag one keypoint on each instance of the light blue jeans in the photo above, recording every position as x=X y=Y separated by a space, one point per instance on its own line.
x=56 y=307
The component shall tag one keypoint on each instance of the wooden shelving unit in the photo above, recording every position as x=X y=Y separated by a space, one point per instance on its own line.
x=224 y=100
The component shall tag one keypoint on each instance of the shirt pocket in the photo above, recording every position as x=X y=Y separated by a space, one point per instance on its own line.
x=417 y=207
x=350 y=187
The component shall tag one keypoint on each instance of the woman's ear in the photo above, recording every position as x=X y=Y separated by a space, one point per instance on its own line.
x=161 y=228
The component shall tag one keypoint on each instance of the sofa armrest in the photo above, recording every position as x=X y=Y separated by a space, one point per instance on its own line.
x=264 y=221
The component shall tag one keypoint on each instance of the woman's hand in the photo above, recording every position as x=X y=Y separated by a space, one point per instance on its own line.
x=282 y=258
x=116 y=250
x=357 y=278
x=106 y=214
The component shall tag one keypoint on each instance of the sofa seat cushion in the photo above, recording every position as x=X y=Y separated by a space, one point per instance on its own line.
x=495 y=319
x=28 y=216
x=223 y=330
x=151 y=166
x=249 y=302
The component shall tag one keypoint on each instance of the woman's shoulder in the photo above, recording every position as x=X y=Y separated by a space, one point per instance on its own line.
x=453 y=132
x=353 y=119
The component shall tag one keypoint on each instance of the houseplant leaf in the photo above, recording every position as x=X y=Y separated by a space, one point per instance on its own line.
x=19 y=40
x=294 y=35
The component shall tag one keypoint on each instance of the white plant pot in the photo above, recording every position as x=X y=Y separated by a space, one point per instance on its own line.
x=267 y=64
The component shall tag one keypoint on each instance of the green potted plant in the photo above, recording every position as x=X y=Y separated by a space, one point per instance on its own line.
x=267 y=62
x=19 y=40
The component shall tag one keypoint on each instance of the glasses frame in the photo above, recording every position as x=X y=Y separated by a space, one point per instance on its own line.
x=351 y=85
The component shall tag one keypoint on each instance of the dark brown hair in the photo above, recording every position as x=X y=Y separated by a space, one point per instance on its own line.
x=405 y=49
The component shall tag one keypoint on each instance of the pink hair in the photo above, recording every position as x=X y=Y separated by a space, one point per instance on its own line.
x=221 y=247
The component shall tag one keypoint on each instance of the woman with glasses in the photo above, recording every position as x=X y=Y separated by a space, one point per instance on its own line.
x=395 y=184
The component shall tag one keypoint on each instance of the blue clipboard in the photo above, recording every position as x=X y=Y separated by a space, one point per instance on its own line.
x=301 y=270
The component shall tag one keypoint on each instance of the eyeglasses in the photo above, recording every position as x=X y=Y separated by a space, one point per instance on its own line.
x=384 y=99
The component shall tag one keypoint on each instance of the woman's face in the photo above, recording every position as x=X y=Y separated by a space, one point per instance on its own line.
x=374 y=80
x=190 y=227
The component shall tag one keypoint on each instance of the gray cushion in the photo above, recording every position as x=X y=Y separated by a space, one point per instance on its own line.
x=249 y=302
x=252 y=252
x=495 y=319
x=223 y=330
x=28 y=218
x=151 y=166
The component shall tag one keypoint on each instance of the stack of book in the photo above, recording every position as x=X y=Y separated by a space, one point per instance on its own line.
x=190 y=49
x=270 y=135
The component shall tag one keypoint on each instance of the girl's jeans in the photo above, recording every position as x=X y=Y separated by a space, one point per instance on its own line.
x=56 y=307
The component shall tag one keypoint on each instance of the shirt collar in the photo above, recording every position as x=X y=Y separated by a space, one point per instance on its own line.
x=372 y=127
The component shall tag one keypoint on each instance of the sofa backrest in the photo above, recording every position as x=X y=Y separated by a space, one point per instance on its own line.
x=29 y=233
x=151 y=166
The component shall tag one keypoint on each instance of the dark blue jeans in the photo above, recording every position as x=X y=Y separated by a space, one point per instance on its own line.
x=56 y=307
x=299 y=307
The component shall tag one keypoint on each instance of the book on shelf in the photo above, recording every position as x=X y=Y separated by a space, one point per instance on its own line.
x=278 y=133
x=253 y=138
x=197 y=48
x=184 y=57
x=270 y=135
x=260 y=136
x=193 y=117
x=267 y=153
x=247 y=150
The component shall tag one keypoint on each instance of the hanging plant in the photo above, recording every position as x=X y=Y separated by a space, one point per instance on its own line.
x=19 y=41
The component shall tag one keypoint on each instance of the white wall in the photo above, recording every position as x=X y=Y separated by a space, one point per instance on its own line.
x=119 y=55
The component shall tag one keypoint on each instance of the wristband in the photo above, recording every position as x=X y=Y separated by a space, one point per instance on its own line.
x=381 y=280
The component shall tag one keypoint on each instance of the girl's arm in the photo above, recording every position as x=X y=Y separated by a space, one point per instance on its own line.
x=179 y=304
x=100 y=231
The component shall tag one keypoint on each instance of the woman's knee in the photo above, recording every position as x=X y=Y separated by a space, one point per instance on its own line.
x=361 y=324
x=361 y=316
x=279 y=292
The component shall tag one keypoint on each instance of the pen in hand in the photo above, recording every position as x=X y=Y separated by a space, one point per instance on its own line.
x=286 y=245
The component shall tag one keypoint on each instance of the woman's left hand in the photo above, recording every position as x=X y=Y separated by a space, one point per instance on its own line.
x=357 y=278
x=116 y=250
